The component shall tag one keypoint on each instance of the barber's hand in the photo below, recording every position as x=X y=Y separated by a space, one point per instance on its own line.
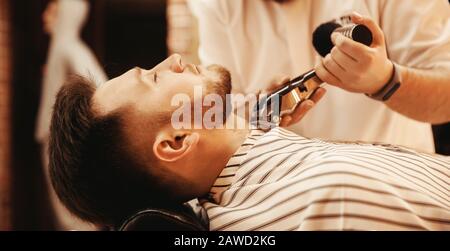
x=355 y=67
x=293 y=118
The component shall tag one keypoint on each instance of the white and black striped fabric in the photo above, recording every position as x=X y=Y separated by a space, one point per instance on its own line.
x=280 y=181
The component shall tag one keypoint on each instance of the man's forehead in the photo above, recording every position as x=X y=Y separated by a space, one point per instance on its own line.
x=114 y=93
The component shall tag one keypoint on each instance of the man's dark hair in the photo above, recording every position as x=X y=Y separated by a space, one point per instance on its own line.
x=92 y=168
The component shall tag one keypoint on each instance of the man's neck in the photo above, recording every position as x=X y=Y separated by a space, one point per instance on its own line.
x=230 y=141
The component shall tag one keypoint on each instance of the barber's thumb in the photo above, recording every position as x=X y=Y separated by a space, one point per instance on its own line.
x=335 y=36
x=285 y=121
x=377 y=32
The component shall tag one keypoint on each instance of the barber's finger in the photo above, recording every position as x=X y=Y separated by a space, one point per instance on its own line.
x=377 y=32
x=277 y=82
x=285 y=121
x=297 y=114
x=344 y=60
x=352 y=48
x=325 y=75
x=333 y=67
x=280 y=80
x=318 y=95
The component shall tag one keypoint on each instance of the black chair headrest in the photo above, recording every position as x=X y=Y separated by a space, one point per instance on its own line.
x=187 y=217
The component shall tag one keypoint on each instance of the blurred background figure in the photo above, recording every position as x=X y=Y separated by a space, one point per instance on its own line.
x=63 y=21
x=42 y=42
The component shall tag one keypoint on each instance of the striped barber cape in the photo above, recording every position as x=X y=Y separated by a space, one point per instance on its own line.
x=279 y=181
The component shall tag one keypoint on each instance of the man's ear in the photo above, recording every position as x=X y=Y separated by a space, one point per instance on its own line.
x=172 y=146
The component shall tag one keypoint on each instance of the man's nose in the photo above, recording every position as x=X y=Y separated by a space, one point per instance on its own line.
x=176 y=65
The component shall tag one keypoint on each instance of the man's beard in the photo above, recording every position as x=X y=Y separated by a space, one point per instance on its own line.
x=221 y=85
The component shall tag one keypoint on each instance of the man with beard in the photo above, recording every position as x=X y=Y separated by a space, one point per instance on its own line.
x=114 y=151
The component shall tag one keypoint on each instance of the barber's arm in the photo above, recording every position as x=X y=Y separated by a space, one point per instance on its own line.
x=424 y=94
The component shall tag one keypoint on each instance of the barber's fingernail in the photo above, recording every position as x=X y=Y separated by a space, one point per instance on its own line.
x=309 y=104
x=337 y=38
x=334 y=36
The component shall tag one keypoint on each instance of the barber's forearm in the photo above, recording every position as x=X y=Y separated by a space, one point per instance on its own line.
x=424 y=95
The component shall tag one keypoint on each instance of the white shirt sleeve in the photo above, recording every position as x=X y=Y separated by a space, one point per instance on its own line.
x=417 y=32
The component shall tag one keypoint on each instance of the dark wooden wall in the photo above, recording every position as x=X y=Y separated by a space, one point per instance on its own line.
x=30 y=208
x=135 y=35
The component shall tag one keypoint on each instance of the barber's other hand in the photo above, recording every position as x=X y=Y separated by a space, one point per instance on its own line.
x=355 y=67
x=293 y=118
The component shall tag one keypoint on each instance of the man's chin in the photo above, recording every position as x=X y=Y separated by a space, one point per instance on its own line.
x=222 y=80
x=221 y=85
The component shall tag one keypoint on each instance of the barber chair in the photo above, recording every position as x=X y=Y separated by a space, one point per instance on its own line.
x=186 y=217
